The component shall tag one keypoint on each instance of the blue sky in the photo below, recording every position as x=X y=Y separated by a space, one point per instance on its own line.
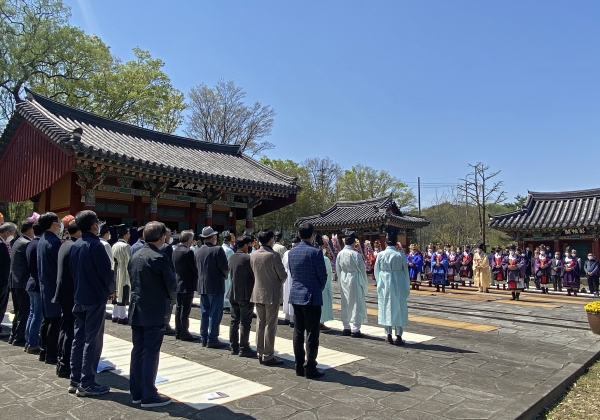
x=418 y=88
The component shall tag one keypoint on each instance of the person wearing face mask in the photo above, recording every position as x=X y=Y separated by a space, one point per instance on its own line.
x=580 y=264
x=570 y=274
x=93 y=283
x=555 y=271
x=427 y=263
x=466 y=266
x=542 y=267
x=327 y=308
x=228 y=245
x=498 y=269
x=7 y=233
x=414 y=259
x=481 y=269
x=591 y=270
x=439 y=270
x=47 y=256
x=514 y=265
x=453 y=268
x=121 y=252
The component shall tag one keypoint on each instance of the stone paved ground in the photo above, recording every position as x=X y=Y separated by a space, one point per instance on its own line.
x=461 y=374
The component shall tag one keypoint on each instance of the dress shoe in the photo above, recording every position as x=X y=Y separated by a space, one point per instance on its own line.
x=10 y=341
x=123 y=321
x=346 y=333
x=216 y=345
x=314 y=374
x=203 y=343
x=300 y=372
x=190 y=338
x=227 y=311
x=324 y=327
x=399 y=341
x=33 y=350
x=286 y=322
x=63 y=374
x=19 y=343
x=249 y=353
x=390 y=339
x=170 y=331
x=115 y=320
x=51 y=361
x=291 y=325
x=234 y=351
x=272 y=362
x=357 y=334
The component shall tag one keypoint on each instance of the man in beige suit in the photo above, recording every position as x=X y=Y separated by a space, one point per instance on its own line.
x=269 y=277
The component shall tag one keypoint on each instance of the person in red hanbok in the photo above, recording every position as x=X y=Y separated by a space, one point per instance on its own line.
x=466 y=266
x=453 y=268
x=514 y=265
x=427 y=263
x=570 y=274
x=543 y=269
x=498 y=269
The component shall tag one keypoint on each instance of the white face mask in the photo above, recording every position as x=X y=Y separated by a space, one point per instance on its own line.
x=10 y=238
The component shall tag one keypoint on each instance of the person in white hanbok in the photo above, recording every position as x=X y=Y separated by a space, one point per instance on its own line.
x=393 y=288
x=352 y=276
x=279 y=247
x=228 y=241
x=288 y=309
x=121 y=251
x=327 y=308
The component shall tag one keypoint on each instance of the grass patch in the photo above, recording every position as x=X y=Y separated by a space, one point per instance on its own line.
x=580 y=401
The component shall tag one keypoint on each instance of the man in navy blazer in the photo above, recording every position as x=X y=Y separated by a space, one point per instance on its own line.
x=307 y=268
x=186 y=274
x=19 y=275
x=153 y=288
x=47 y=256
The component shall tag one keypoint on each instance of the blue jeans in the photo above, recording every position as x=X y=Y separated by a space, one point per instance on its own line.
x=87 y=343
x=211 y=307
x=34 y=321
x=144 y=361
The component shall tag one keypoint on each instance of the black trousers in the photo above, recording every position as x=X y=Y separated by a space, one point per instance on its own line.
x=557 y=283
x=306 y=319
x=241 y=313
x=593 y=283
x=182 y=314
x=20 y=300
x=65 y=340
x=144 y=361
x=4 y=291
x=49 y=333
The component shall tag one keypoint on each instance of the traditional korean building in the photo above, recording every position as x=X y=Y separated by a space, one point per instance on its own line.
x=67 y=160
x=555 y=219
x=368 y=218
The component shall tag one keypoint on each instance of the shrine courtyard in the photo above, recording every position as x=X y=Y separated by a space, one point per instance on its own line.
x=469 y=356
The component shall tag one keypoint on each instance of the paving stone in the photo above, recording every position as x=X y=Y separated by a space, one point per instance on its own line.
x=57 y=403
x=470 y=393
x=275 y=413
x=20 y=411
x=305 y=415
x=28 y=387
x=255 y=401
x=339 y=411
x=399 y=402
x=415 y=414
x=304 y=400
x=461 y=412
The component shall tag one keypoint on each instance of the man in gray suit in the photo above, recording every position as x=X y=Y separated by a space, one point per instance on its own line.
x=269 y=276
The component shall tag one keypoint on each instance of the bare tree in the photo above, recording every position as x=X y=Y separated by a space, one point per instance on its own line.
x=323 y=175
x=219 y=115
x=482 y=195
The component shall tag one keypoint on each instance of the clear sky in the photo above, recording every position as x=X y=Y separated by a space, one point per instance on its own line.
x=418 y=88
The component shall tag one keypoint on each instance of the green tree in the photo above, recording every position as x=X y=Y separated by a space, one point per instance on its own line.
x=219 y=115
x=363 y=182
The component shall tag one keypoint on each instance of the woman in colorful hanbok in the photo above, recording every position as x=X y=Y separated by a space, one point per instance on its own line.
x=514 y=266
x=439 y=269
x=498 y=269
x=570 y=274
x=414 y=259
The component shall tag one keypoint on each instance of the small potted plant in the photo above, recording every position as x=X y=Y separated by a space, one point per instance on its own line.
x=593 y=313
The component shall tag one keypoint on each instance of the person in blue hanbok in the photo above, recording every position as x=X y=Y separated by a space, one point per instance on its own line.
x=414 y=259
x=352 y=274
x=228 y=242
x=439 y=268
x=327 y=309
x=391 y=274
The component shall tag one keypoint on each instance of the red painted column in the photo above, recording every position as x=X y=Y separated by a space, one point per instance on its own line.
x=193 y=216
x=382 y=241
x=138 y=209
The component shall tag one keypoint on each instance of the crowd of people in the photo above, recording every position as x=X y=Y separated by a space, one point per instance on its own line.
x=61 y=274
x=507 y=268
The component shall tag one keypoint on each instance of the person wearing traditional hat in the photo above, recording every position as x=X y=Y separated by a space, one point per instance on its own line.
x=352 y=276
x=439 y=269
x=414 y=259
x=466 y=265
x=542 y=267
x=481 y=269
x=121 y=251
x=427 y=262
x=327 y=308
x=288 y=308
x=393 y=287
x=498 y=268
x=514 y=265
x=453 y=267
x=279 y=247
x=228 y=243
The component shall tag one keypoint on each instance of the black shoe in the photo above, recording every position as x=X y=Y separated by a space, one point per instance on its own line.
x=190 y=338
x=227 y=310
x=51 y=361
x=203 y=343
x=249 y=353
x=234 y=350
x=300 y=372
x=286 y=322
x=107 y=315
x=115 y=320
x=158 y=401
x=390 y=339
x=63 y=374
x=291 y=325
x=124 y=321
x=273 y=362
x=10 y=341
x=169 y=331
x=346 y=333
x=399 y=341
x=314 y=374
x=216 y=345
x=357 y=334
x=19 y=343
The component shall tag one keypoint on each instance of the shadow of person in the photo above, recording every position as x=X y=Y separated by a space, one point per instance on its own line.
x=436 y=347
x=359 y=381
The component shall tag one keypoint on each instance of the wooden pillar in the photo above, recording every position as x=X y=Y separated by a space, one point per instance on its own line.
x=208 y=218
x=595 y=248
x=233 y=220
x=138 y=209
x=193 y=216
x=382 y=241
x=153 y=214
x=249 y=219
x=557 y=246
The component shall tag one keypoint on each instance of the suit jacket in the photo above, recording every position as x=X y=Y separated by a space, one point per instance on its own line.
x=168 y=251
x=33 y=284
x=152 y=287
x=212 y=269
x=186 y=272
x=591 y=267
x=242 y=277
x=269 y=276
x=64 y=280
x=47 y=256
x=137 y=246
x=556 y=264
x=307 y=268
x=19 y=269
x=4 y=267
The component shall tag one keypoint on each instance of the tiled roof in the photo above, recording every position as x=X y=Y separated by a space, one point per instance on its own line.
x=127 y=143
x=554 y=210
x=346 y=214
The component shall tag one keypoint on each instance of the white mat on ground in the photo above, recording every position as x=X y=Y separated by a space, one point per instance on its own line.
x=184 y=380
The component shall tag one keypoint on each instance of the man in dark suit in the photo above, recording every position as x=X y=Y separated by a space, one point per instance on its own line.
x=65 y=298
x=167 y=249
x=32 y=330
x=93 y=284
x=140 y=242
x=19 y=275
x=310 y=277
x=153 y=288
x=212 y=271
x=7 y=234
x=239 y=294
x=47 y=256
x=186 y=274
x=269 y=276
